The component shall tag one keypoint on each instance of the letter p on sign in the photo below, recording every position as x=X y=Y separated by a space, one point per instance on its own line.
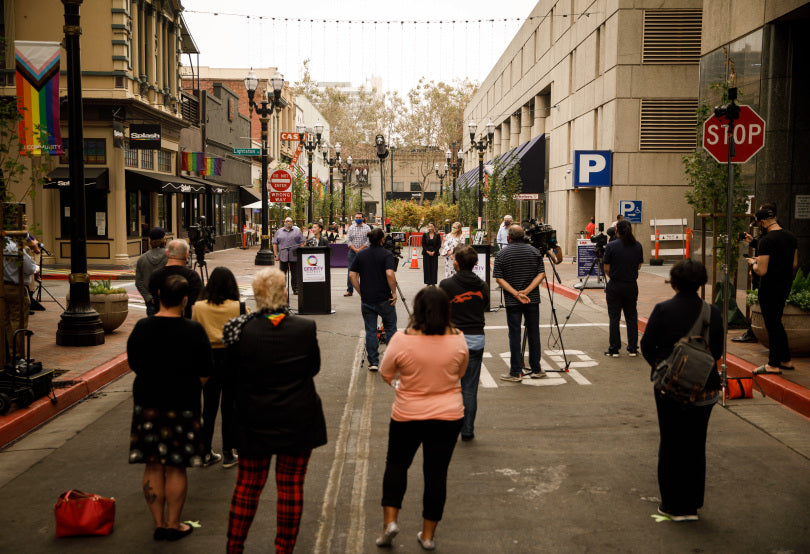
x=592 y=168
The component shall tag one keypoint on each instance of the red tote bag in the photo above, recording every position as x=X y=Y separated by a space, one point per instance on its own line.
x=80 y=513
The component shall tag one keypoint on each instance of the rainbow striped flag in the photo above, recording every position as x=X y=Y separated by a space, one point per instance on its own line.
x=38 y=97
x=192 y=161
x=213 y=166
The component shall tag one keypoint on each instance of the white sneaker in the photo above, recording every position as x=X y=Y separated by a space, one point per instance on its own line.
x=373 y=368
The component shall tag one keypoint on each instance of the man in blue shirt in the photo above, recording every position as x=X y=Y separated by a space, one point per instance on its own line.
x=372 y=276
x=285 y=243
x=622 y=261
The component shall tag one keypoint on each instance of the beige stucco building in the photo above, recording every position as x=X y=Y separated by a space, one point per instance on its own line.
x=616 y=76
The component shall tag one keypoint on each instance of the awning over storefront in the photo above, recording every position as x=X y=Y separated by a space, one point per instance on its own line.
x=212 y=186
x=532 y=158
x=159 y=182
x=96 y=177
x=248 y=196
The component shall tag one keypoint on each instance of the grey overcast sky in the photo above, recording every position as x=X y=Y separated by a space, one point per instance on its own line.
x=397 y=41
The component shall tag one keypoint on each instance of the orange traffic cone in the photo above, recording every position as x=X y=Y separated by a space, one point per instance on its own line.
x=414 y=260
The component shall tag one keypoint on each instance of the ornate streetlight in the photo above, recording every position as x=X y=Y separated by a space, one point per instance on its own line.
x=362 y=181
x=441 y=177
x=265 y=255
x=455 y=166
x=331 y=162
x=80 y=324
x=346 y=171
x=382 y=153
x=482 y=144
x=311 y=144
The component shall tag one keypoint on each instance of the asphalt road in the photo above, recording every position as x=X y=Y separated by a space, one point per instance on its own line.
x=564 y=464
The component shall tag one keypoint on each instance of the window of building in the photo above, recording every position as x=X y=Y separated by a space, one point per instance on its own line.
x=133 y=229
x=416 y=186
x=164 y=211
x=95 y=151
x=130 y=156
x=399 y=186
x=96 y=220
x=165 y=161
x=147 y=159
x=671 y=36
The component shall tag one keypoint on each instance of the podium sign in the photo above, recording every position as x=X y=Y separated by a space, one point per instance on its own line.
x=314 y=280
x=313 y=268
x=482 y=266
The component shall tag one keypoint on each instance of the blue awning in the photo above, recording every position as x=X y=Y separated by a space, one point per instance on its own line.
x=532 y=158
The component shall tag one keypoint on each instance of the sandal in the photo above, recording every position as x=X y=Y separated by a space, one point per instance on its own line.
x=788 y=367
x=763 y=370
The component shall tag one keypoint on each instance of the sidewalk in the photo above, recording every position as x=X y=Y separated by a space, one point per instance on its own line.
x=82 y=370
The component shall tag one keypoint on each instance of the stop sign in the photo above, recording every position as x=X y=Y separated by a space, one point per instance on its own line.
x=749 y=136
x=280 y=186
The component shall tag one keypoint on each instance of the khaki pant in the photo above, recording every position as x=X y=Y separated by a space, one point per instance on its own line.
x=16 y=317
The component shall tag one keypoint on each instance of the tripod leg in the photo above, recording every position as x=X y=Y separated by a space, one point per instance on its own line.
x=524 y=342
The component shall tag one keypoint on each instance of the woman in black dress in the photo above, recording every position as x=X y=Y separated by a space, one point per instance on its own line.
x=166 y=433
x=431 y=242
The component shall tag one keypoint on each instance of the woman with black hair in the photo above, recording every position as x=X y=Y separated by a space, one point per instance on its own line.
x=682 y=451
x=431 y=243
x=219 y=302
x=424 y=364
x=622 y=261
x=166 y=432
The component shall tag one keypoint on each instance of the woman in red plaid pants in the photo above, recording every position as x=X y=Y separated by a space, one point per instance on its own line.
x=278 y=411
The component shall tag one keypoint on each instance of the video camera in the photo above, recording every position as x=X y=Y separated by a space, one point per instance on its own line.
x=542 y=237
x=600 y=241
x=393 y=243
x=201 y=236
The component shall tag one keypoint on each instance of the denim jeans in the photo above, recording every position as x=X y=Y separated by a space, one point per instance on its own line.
x=350 y=256
x=469 y=391
x=388 y=314
x=530 y=313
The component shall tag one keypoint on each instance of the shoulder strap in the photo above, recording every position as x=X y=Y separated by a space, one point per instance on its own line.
x=242 y=308
x=701 y=324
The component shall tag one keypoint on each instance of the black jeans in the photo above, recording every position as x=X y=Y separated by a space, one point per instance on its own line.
x=773 y=306
x=681 y=454
x=293 y=265
x=431 y=268
x=219 y=385
x=438 y=439
x=622 y=296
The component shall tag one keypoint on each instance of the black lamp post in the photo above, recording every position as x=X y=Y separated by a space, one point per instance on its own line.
x=362 y=181
x=80 y=324
x=482 y=144
x=331 y=162
x=265 y=255
x=455 y=166
x=441 y=177
x=382 y=153
x=311 y=144
x=346 y=171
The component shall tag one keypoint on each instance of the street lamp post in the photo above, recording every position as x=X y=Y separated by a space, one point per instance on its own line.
x=310 y=146
x=346 y=171
x=382 y=153
x=455 y=166
x=441 y=177
x=265 y=255
x=331 y=162
x=362 y=181
x=481 y=145
x=80 y=324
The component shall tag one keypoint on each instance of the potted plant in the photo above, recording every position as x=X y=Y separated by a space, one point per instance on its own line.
x=796 y=318
x=112 y=304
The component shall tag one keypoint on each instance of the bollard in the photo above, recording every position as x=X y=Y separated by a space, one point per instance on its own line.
x=688 y=243
x=656 y=260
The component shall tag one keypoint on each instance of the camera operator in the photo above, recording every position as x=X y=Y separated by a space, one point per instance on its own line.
x=622 y=261
x=777 y=260
x=502 y=237
x=519 y=270
x=373 y=276
x=288 y=239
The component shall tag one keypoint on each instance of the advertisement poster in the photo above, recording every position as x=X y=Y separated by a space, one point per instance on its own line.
x=313 y=268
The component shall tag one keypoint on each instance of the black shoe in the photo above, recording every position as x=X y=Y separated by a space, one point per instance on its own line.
x=173 y=534
x=748 y=336
x=160 y=534
x=612 y=353
x=467 y=438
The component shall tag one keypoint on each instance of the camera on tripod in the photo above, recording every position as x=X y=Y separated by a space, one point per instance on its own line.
x=543 y=237
x=201 y=236
x=599 y=243
x=393 y=243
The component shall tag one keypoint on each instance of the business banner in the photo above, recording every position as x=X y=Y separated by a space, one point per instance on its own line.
x=118 y=134
x=144 y=136
x=37 y=79
x=313 y=268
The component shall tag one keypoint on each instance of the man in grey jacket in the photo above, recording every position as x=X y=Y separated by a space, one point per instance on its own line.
x=154 y=259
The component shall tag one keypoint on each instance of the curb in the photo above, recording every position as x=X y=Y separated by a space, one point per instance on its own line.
x=93 y=276
x=788 y=394
x=21 y=421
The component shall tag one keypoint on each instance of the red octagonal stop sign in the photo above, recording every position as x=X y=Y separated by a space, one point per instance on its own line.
x=749 y=136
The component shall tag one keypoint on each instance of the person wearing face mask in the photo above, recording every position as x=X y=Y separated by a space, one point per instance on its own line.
x=357 y=239
x=177 y=253
x=451 y=241
x=285 y=242
x=777 y=260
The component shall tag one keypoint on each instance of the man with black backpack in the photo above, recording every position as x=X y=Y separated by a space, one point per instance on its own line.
x=683 y=407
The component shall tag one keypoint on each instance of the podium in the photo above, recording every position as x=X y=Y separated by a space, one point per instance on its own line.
x=314 y=280
x=482 y=266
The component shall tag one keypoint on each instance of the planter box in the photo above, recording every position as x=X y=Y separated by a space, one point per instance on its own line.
x=112 y=309
x=797 y=327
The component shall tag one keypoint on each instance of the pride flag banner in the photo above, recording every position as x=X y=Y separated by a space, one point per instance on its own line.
x=213 y=166
x=38 y=97
x=192 y=161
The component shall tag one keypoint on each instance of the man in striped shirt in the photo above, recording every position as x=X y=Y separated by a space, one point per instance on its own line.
x=519 y=270
x=357 y=239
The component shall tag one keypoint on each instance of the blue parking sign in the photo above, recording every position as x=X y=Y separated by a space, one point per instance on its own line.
x=592 y=168
x=630 y=210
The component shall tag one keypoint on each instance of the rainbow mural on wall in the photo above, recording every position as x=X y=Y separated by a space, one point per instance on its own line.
x=38 y=97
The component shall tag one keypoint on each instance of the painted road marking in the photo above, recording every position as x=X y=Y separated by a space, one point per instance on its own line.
x=485 y=378
x=548 y=326
x=555 y=356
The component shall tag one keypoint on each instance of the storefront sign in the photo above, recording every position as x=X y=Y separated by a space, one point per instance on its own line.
x=144 y=136
x=313 y=268
x=118 y=134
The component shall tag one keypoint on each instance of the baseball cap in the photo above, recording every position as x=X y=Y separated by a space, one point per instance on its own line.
x=764 y=213
x=157 y=233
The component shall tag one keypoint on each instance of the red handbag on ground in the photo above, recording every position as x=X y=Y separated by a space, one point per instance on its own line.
x=80 y=513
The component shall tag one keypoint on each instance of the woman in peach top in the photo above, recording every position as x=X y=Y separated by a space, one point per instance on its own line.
x=425 y=365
